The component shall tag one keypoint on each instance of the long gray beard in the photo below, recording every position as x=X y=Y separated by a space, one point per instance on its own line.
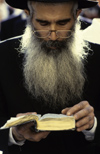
x=56 y=76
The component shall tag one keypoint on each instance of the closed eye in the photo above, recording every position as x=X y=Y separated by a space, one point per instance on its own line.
x=42 y=22
x=63 y=22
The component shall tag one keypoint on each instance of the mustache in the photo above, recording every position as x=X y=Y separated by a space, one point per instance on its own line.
x=55 y=44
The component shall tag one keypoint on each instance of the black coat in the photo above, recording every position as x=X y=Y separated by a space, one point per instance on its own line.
x=15 y=99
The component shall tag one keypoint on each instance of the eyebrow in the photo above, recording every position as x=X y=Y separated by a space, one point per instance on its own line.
x=40 y=20
x=63 y=20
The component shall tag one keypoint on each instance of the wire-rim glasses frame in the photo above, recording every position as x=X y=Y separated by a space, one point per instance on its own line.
x=47 y=33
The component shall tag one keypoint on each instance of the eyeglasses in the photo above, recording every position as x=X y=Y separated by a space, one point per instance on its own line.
x=47 y=33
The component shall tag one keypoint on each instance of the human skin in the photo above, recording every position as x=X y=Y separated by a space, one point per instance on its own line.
x=99 y=2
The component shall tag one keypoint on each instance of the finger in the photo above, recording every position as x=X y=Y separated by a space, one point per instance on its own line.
x=64 y=111
x=22 y=131
x=45 y=135
x=42 y=135
x=28 y=113
x=17 y=136
x=36 y=137
x=85 y=120
x=77 y=107
x=84 y=112
x=20 y=114
x=86 y=126
x=23 y=128
x=27 y=133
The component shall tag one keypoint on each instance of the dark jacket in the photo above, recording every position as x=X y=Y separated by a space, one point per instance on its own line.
x=15 y=99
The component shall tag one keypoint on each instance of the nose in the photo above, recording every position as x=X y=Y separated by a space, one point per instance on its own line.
x=53 y=35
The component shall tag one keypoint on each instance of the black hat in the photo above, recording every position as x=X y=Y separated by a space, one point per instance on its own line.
x=22 y=4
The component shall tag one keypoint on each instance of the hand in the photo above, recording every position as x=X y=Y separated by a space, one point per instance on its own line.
x=25 y=132
x=83 y=113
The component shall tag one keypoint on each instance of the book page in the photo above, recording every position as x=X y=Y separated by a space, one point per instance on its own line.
x=56 y=122
x=54 y=116
x=14 y=121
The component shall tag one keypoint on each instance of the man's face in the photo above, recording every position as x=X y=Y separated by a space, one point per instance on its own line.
x=53 y=17
x=54 y=72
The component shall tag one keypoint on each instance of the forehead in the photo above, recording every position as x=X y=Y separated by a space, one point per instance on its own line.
x=52 y=11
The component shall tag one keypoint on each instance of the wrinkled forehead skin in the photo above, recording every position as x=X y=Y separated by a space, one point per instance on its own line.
x=52 y=11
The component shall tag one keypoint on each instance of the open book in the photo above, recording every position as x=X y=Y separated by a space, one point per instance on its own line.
x=48 y=122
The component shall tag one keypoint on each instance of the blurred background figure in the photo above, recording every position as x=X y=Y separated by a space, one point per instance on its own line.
x=5 y=11
x=92 y=33
x=12 y=21
x=87 y=15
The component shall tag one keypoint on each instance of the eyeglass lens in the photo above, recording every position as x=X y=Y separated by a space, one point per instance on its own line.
x=59 y=33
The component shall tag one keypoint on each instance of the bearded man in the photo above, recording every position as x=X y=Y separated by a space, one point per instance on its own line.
x=49 y=70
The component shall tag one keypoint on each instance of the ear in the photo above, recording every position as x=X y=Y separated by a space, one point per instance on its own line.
x=78 y=12
x=27 y=12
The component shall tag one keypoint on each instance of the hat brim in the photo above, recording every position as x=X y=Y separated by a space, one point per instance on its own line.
x=87 y=4
x=22 y=4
